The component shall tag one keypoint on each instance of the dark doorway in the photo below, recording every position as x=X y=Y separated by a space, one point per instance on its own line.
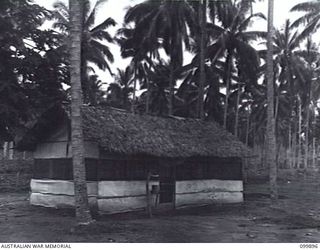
x=167 y=184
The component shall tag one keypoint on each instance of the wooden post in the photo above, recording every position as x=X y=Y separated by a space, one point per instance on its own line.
x=174 y=188
x=149 y=211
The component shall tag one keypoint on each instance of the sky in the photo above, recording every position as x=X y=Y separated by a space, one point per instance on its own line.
x=116 y=10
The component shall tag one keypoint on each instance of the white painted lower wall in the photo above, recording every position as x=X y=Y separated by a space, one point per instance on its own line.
x=58 y=193
x=60 y=187
x=57 y=201
x=108 y=196
x=200 y=192
x=123 y=196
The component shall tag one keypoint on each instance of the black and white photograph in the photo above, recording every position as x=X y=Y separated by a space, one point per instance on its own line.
x=159 y=121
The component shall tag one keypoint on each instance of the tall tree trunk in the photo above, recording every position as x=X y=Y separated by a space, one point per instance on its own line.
x=290 y=145
x=306 y=145
x=270 y=136
x=148 y=94
x=202 y=40
x=299 y=131
x=276 y=111
x=148 y=97
x=313 y=152
x=248 y=129
x=227 y=83
x=314 y=141
x=294 y=144
x=78 y=152
x=133 y=106
x=236 y=124
x=171 y=87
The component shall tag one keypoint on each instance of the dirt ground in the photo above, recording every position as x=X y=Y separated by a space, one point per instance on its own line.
x=294 y=218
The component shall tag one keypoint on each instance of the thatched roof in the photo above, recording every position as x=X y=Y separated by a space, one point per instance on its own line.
x=118 y=131
x=126 y=133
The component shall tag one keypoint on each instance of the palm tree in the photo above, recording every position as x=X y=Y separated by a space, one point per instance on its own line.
x=167 y=21
x=79 y=170
x=96 y=95
x=159 y=82
x=312 y=16
x=93 y=44
x=311 y=20
x=287 y=60
x=308 y=75
x=232 y=36
x=270 y=132
x=120 y=90
x=202 y=46
x=232 y=39
x=144 y=54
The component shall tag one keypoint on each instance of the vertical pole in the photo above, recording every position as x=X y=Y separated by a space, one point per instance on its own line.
x=236 y=124
x=299 y=130
x=271 y=136
x=314 y=143
x=149 y=211
x=79 y=172
x=134 y=94
x=202 y=40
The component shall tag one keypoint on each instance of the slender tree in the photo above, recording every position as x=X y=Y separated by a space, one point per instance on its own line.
x=79 y=172
x=94 y=42
x=169 y=22
x=120 y=90
x=231 y=39
x=270 y=132
x=202 y=46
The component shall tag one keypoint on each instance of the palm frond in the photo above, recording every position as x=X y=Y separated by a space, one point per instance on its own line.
x=104 y=49
x=309 y=6
x=92 y=16
x=102 y=35
x=303 y=20
x=245 y=24
x=62 y=8
x=254 y=35
x=104 y=25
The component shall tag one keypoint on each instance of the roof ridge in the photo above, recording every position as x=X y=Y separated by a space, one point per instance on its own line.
x=180 y=118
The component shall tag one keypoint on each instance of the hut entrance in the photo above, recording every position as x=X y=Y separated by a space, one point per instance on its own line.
x=167 y=184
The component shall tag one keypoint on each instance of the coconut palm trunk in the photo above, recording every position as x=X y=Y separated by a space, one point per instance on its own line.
x=270 y=136
x=202 y=39
x=148 y=97
x=306 y=145
x=171 y=87
x=299 y=131
x=247 y=129
x=290 y=155
x=228 y=69
x=294 y=144
x=134 y=94
x=314 y=140
x=79 y=172
x=148 y=88
x=236 y=123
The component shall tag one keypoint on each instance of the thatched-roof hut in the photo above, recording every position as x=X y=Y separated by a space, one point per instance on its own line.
x=193 y=161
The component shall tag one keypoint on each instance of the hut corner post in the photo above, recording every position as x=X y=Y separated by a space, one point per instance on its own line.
x=149 y=211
